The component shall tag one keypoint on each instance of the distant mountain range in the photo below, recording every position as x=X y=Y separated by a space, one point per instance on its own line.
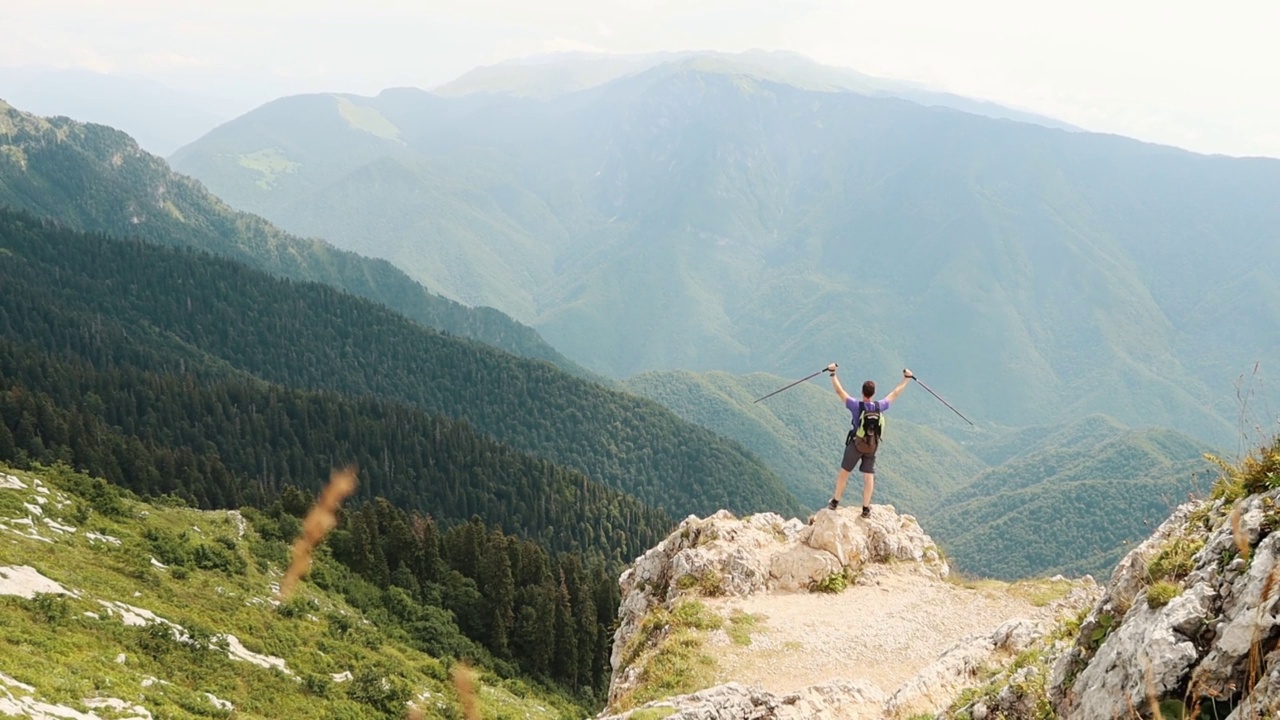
x=696 y=215
x=662 y=218
x=1073 y=503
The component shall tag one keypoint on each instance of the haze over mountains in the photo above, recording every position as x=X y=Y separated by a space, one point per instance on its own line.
x=534 y=311
x=557 y=74
x=754 y=225
x=689 y=216
x=159 y=117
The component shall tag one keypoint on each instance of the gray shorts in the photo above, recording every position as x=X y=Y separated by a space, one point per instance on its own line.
x=852 y=456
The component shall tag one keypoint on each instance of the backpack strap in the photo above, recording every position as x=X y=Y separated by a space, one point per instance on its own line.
x=862 y=410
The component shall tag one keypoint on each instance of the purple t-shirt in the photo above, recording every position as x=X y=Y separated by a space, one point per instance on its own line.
x=855 y=407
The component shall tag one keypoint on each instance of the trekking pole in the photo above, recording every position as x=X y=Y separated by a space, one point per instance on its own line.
x=775 y=392
x=944 y=402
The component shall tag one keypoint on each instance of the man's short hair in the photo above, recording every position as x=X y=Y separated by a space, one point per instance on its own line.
x=869 y=388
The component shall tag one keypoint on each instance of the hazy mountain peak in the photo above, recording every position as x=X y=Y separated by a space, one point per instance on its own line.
x=554 y=75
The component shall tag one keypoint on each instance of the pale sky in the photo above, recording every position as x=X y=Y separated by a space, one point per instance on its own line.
x=1200 y=75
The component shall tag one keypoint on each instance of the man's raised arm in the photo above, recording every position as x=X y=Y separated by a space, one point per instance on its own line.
x=906 y=379
x=835 y=383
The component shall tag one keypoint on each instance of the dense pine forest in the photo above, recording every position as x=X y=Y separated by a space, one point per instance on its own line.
x=236 y=442
x=156 y=309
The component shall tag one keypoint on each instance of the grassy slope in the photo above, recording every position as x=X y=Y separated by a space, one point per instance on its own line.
x=68 y=656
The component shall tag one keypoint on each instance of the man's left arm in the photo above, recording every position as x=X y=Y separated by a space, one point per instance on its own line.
x=906 y=380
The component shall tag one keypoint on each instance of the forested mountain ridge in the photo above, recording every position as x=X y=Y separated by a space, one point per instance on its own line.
x=135 y=305
x=700 y=220
x=1073 y=503
x=95 y=178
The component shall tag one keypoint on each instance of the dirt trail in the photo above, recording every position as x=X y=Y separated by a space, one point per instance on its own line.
x=882 y=632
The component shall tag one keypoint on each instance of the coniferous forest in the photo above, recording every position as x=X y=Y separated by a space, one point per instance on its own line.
x=130 y=303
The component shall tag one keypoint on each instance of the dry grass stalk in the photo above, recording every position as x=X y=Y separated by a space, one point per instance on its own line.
x=322 y=518
x=464 y=683
x=1237 y=531
x=1255 y=648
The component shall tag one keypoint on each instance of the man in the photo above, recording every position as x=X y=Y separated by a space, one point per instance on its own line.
x=864 y=439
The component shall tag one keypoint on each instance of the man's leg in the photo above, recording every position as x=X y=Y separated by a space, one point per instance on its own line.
x=841 y=479
x=846 y=466
x=868 y=468
x=868 y=486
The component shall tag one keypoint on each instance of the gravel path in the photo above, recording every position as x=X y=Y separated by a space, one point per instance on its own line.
x=882 y=632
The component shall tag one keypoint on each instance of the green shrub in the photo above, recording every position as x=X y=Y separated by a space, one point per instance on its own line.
x=711 y=584
x=833 y=583
x=693 y=614
x=1175 y=560
x=101 y=495
x=1257 y=473
x=216 y=556
x=1160 y=593
x=52 y=608
x=295 y=607
x=317 y=685
x=381 y=690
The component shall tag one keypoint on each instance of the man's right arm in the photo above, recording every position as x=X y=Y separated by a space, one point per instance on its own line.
x=835 y=383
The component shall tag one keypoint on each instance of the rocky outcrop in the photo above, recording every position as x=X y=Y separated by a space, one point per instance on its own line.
x=1214 y=643
x=1188 y=623
x=848 y=701
x=934 y=687
x=724 y=555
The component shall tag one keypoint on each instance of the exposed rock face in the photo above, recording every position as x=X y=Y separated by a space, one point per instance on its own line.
x=763 y=552
x=1215 y=642
x=1188 y=622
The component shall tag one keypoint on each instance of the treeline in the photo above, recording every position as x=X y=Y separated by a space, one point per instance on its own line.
x=106 y=299
x=553 y=616
x=240 y=441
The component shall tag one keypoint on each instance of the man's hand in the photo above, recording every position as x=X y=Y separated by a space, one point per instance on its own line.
x=907 y=374
x=835 y=382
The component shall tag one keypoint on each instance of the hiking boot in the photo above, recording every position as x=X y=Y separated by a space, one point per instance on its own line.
x=832 y=505
x=866 y=511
